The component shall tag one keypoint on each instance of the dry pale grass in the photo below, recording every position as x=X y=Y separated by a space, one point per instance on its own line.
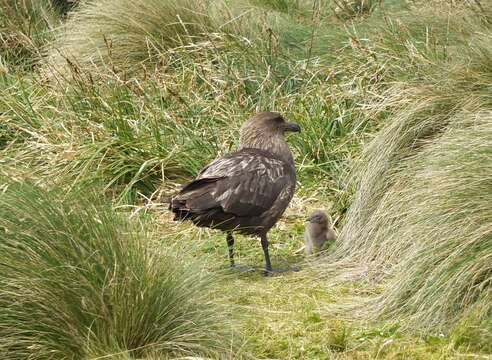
x=125 y=36
x=421 y=215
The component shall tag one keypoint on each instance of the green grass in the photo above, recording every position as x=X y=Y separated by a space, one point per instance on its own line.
x=128 y=99
x=129 y=36
x=133 y=134
x=79 y=281
x=296 y=316
x=450 y=263
x=24 y=27
x=421 y=214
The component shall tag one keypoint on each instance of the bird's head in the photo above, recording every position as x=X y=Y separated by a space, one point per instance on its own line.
x=318 y=217
x=268 y=123
x=318 y=222
x=266 y=131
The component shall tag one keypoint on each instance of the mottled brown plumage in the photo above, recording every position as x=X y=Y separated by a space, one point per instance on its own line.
x=247 y=190
x=318 y=231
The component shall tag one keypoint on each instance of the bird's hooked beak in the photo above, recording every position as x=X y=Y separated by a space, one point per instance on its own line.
x=292 y=127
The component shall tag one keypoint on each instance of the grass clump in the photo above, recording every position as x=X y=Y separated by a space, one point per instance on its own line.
x=421 y=216
x=127 y=36
x=24 y=29
x=447 y=268
x=79 y=281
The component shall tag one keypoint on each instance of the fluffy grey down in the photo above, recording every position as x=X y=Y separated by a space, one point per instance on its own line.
x=318 y=231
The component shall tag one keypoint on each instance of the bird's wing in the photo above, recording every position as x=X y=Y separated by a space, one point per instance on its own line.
x=243 y=183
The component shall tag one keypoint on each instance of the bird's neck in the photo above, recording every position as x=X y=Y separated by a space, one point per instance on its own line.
x=273 y=144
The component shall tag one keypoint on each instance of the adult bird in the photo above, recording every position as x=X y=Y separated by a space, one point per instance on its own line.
x=246 y=191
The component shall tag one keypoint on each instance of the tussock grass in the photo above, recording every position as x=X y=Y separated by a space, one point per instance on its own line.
x=421 y=215
x=443 y=229
x=79 y=281
x=127 y=36
x=133 y=134
x=24 y=28
x=115 y=134
x=474 y=330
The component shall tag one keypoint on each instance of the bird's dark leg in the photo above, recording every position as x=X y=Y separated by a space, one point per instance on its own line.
x=268 y=264
x=264 y=245
x=230 y=247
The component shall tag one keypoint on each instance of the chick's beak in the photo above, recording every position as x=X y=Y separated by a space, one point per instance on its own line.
x=292 y=127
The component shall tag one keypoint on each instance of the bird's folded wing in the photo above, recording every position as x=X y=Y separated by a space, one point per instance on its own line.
x=244 y=183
